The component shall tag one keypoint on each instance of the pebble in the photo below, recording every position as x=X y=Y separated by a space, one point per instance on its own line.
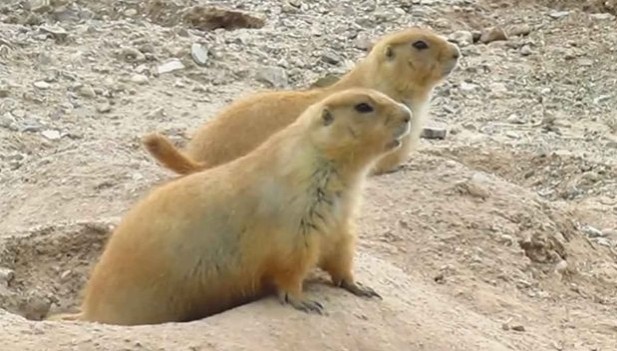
x=462 y=38
x=476 y=186
x=7 y=121
x=561 y=266
x=468 y=87
x=272 y=75
x=558 y=14
x=602 y=16
x=515 y=119
x=493 y=34
x=103 y=107
x=518 y=328
x=51 y=134
x=86 y=91
x=363 y=42
x=592 y=232
x=170 y=66
x=139 y=79
x=133 y=55
x=6 y=276
x=434 y=131
x=199 y=53
x=331 y=58
x=130 y=13
x=36 y=307
x=43 y=85
x=526 y=50
x=57 y=32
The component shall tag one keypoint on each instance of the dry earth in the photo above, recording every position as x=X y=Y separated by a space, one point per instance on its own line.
x=502 y=236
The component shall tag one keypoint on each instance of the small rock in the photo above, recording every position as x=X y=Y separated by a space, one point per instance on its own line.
x=139 y=79
x=476 y=36
x=493 y=34
x=35 y=307
x=7 y=121
x=515 y=119
x=130 y=13
x=57 y=32
x=558 y=14
x=363 y=42
x=561 y=266
x=65 y=274
x=475 y=186
x=170 y=66
x=51 y=134
x=199 y=53
x=6 y=276
x=518 y=328
x=132 y=55
x=468 y=87
x=103 y=107
x=434 y=131
x=86 y=91
x=331 y=58
x=602 y=16
x=520 y=30
x=462 y=38
x=592 y=232
x=275 y=76
x=43 y=85
x=526 y=50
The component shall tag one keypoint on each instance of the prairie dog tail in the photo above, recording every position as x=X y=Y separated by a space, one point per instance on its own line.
x=166 y=153
x=64 y=317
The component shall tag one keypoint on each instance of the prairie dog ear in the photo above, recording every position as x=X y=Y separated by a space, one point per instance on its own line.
x=389 y=52
x=326 y=117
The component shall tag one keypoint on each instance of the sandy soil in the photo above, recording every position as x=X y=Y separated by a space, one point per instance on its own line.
x=502 y=236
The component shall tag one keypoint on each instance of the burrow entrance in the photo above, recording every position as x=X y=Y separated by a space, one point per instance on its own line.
x=45 y=269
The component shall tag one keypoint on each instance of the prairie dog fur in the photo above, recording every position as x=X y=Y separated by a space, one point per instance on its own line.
x=198 y=244
x=405 y=65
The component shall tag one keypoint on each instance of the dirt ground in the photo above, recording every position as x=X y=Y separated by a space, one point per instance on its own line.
x=502 y=236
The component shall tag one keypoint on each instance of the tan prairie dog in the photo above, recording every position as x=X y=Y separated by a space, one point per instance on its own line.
x=405 y=65
x=201 y=243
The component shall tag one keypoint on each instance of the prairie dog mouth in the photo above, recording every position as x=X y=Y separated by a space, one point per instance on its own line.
x=400 y=132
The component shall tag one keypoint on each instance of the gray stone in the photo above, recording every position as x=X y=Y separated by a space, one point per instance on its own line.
x=170 y=66
x=462 y=38
x=434 y=131
x=272 y=75
x=199 y=53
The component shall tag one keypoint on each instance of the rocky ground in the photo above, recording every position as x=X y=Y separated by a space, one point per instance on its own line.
x=502 y=236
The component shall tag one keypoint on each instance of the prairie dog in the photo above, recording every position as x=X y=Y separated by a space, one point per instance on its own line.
x=198 y=244
x=405 y=65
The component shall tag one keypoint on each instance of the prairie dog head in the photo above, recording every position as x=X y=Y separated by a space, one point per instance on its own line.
x=358 y=124
x=414 y=59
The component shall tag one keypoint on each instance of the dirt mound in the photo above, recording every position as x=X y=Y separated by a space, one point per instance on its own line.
x=432 y=260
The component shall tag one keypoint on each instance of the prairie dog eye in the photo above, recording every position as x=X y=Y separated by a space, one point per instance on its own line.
x=363 y=108
x=420 y=45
